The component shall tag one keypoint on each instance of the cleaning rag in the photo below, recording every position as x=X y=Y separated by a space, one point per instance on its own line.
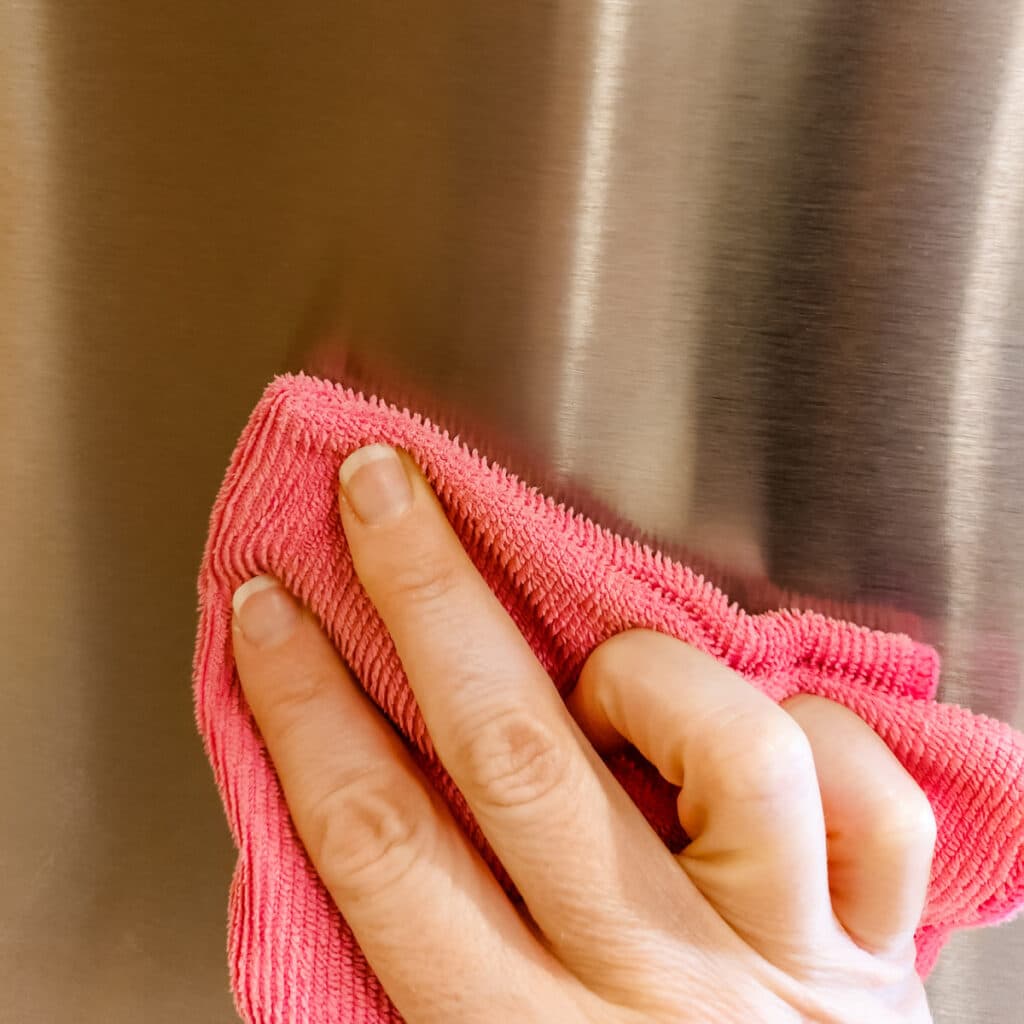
x=569 y=585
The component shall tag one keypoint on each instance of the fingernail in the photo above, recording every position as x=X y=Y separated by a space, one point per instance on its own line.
x=264 y=611
x=375 y=484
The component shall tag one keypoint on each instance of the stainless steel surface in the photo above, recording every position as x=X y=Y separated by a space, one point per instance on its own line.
x=745 y=276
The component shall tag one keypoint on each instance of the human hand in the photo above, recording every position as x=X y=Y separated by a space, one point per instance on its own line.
x=796 y=900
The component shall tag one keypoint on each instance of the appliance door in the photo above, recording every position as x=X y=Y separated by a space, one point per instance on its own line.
x=744 y=277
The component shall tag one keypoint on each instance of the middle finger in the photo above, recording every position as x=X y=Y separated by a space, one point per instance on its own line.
x=556 y=818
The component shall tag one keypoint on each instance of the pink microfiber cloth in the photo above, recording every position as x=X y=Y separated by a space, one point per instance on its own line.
x=569 y=585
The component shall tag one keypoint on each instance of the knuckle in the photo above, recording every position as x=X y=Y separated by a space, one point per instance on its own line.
x=423 y=581
x=514 y=760
x=290 y=702
x=757 y=756
x=610 y=667
x=616 y=655
x=903 y=823
x=367 y=833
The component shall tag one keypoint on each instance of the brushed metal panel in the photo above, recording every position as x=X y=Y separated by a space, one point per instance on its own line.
x=746 y=278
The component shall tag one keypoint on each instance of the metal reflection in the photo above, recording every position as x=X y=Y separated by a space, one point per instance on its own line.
x=743 y=278
x=611 y=31
x=980 y=377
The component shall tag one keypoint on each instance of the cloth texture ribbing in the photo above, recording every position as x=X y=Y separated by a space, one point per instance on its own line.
x=569 y=585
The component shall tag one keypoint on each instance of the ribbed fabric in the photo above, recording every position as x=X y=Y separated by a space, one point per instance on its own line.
x=569 y=585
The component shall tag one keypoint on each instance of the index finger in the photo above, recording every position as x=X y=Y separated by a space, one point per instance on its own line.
x=495 y=718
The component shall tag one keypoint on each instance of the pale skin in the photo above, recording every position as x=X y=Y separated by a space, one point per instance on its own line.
x=796 y=901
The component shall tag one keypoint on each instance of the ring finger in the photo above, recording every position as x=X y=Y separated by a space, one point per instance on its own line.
x=749 y=799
